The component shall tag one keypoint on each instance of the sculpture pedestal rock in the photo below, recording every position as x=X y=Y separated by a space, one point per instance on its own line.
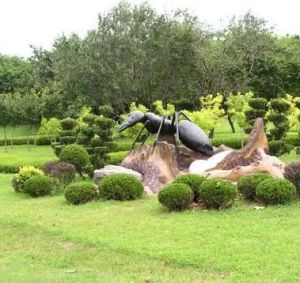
x=112 y=169
x=160 y=164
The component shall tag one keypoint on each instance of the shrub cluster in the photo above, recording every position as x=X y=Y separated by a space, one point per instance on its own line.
x=176 y=196
x=194 y=181
x=275 y=191
x=120 y=187
x=80 y=193
x=247 y=184
x=25 y=173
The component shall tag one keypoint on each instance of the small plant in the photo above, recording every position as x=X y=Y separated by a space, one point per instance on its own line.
x=24 y=174
x=176 y=196
x=292 y=173
x=81 y=192
x=76 y=155
x=120 y=187
x=217 y=193
x=275 y=191
x=247 y=184
x=38 y=186
x=194 y=181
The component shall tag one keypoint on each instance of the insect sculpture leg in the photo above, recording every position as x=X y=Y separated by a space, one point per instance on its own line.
x=181 y=113
x=140 y=133
x=145 y=138
x=159 y=130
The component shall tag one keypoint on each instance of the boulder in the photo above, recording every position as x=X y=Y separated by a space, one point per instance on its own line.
x=112 y=169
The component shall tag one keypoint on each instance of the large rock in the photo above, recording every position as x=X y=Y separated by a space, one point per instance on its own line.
x=112 y=169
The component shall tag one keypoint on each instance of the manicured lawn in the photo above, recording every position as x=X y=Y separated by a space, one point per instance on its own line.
x=47 y=240
x=21 y=155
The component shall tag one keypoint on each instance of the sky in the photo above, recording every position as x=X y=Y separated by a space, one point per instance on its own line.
x=40 y=22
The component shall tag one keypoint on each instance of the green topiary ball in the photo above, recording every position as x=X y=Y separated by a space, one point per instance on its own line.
x=68 y=124
x=275 y=191
x=194 y=181
x=247 y=184
x=38 y=186
x=76 y=155
x=217 y=193
x=81 y=192
x=176 y=196
x=120 y=187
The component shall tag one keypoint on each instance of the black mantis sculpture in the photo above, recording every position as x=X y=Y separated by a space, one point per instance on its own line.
x=185 y=131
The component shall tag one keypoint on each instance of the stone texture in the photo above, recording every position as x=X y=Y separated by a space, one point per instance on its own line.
x=112 y=169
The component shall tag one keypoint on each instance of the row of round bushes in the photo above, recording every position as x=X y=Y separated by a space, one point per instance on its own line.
x=263 y=187
x=54 y=176
x=114 y=187
x=214 y=193
x=220 y=194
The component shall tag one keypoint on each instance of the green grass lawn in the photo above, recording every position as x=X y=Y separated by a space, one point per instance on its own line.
x=22 y=155
x=47 y=240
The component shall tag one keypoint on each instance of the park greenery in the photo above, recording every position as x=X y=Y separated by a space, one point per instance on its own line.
x=60 y=112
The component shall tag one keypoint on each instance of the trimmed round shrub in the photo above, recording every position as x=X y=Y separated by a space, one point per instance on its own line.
x=292 y=173
x=24 y=174
x=258 y=103
x=68 y=124
x=76 y=155
x=120 y=187
x=194 y=181
x=176 y=196
x=38 y=186
x=247 y=184
x=281 y=106
x=217 y=193
x=81 y=192
x=275 y=191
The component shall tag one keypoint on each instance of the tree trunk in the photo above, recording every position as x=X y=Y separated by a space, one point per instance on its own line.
x=33 y=131
x=12 y=137
x=5 y=139
x=28 y=144
x=231 y=123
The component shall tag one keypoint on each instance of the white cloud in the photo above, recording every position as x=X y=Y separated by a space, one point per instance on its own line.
x=39 y=22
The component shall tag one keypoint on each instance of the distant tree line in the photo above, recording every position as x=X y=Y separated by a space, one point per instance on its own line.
x=138 y=55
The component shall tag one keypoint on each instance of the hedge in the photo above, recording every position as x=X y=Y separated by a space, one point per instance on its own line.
x=40 y=140
x=13 y=169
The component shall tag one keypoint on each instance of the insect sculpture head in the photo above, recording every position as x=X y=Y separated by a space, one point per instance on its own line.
x=133 y=118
